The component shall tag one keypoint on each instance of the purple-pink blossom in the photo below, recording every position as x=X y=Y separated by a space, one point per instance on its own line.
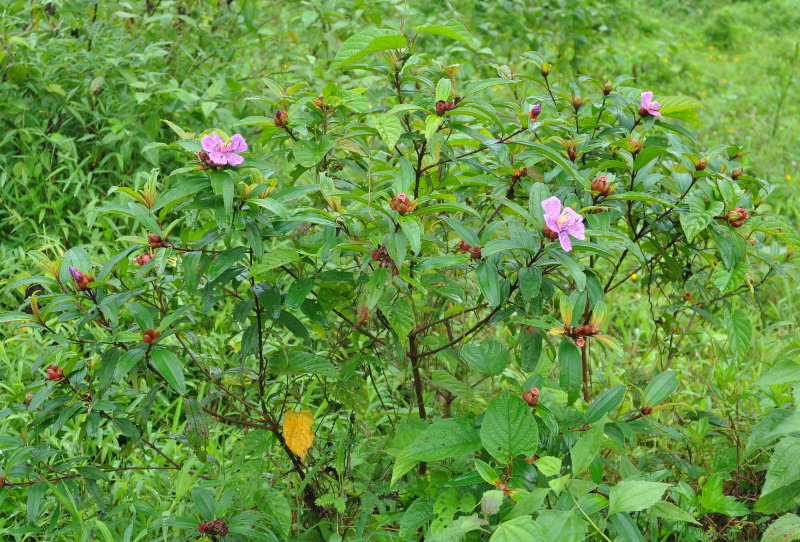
x=222 y=152
x=649 y=107
x=563 y=222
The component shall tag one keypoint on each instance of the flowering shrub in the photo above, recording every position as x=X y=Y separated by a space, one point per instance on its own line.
x=389 y=313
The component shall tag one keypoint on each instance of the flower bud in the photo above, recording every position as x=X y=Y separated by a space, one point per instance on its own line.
x=736 y=173
x=475 y=252
x=636 y=145
x=535 y=111
x=363 y=315
x=580 y=342
x=28 y=398
x=736 y=217
x=550 y=234
x=545 y=69
x=375 y=255
x=54 y=372
x=607 y=88
x=441 y=107
x=601 y=186
x=590 y=330
x=143 y=258
x=463 y=245
x=281 y=117
x=151 y=335
x=577 y=102
x=647 y=410
x=154 y=240
x=701 y=164
x=319 y=101
x=402 y=205
x=449 y=105
x=531 y=396
x=3 y=482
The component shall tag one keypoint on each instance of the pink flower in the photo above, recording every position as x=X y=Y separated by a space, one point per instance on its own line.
x=649 y=108
x=224 y=152
x=563 y=221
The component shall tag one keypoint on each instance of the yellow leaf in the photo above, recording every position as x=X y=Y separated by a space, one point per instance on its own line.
x=297 y=431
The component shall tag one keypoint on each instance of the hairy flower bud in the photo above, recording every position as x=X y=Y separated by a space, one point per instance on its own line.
x=636 y=145
x=143 y=258
x=151 y=335
x=550 y=234
x=402 y=205
x=54 y=372
x=281 y=117
x=736 y=217
x=646 y=410
x=28 y=398
x=363 y=315
x=736 y=173
x=81 y=279
x=701 y=164
x=577 y=102
x=155 y=241
x=441 y=107
x=601 y=186
x=531 y=396
x=545 y=69
x=475 y=252
x=319 y=101
x=607 y=88
x=463 y=245
x=535 y=111
x=213 y=528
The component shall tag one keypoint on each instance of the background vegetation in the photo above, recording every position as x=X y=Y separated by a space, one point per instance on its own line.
x=85 y=88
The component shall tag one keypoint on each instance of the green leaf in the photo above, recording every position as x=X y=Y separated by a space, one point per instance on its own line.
x=605 y=403
x=450 y=437
x=571 y=376
x=509 y=429
x=170 y=367
x=667 y=510
x=561 y=526
x=389 y=128
x=490 y=357
x=727 y=280
x=309 y=153
x=585 y=449
x=634 y=495
x=365 y=42
x=549 y=465
x=660 y=387
x=443 y=89
x=487 y=473
x=451 y=29
x=784 y=466
x=432 y=124
x=530 y=281
x=34 y=504
x=416 y=515
x=784 y=529
x=489 y=282
x=739 y=332
x=398 y=313
x=520 y=529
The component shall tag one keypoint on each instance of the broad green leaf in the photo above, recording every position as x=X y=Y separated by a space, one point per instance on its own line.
x=365 y=42
x=451 y=29
x=571 y=376
x=586 y=448
x=667 y=510
x=490 y=357
x=309 y=153
x=170 y=367
x=389 y=128
x=604 y=403
x=660 y=387
x=450 y=437
x=784 y=529
x=508 y=429
x=520 y=529
x=740 y=332
x=634 y=495
x=489 y=282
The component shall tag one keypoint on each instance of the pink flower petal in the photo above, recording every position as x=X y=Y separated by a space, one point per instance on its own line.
x=235 y=159
x=238 y=144
x=210 y=142
x=563 y=238
x=552 y=208
x=217 y=157
x=647 y=97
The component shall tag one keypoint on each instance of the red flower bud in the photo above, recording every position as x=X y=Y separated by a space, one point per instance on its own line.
x=154 y=240
x=319 y=101
x=550 y=234
x=441 y=107
x=151 y=336
x=475 y=252
x=701 y=164
x=402 y=205
x=646 y=410
x=535 y=111
x=736 y=173
x=607 y=88
x=580 y=342
x=531 y=396
x=54 y=372
x=281 y=117
x=601 y=186
x=736 y=217
x=636 y=145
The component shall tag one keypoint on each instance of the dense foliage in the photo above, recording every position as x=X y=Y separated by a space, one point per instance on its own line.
x=415 y=297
